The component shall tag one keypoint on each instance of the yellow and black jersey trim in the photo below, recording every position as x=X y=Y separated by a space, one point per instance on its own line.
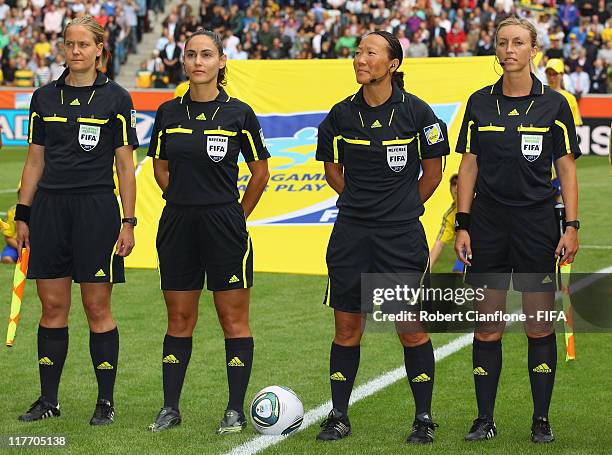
x=124 y=130
x=561 y=125
x=249 y=136
x=95 y=121
x=491 y=128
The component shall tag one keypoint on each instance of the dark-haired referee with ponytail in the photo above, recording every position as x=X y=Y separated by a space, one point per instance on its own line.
x=374 y=144
x=195 y=145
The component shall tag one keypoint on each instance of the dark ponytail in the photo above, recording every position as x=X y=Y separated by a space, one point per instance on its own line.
x=395 y=52
x=216 y=39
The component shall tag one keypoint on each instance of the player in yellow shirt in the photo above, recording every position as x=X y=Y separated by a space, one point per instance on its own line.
x=446 y=234
x=554 y=74
x=9 y=252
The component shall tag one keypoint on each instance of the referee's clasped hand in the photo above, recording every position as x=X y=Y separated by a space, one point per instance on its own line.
x=125 y=241
x=463 y=247
x=568 y=246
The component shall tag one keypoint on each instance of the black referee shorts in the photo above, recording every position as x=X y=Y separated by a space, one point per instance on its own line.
x=194 y=242
x=74 y=235
x=513 y=241
x=355 y=249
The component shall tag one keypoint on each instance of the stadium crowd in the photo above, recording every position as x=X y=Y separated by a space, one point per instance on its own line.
x=31 y=43
x=578 y=31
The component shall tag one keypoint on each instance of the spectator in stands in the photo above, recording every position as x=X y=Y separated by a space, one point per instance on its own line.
x=57 y=67
x=24 y=77
x=580 y=81
x=454 y=39
x=130 y=9
x=53 y=19
x=599 y=77
x=4 y=10
x=417 y=47
x=171 y=58
x=42 y=49
x=605 y=54
x=568 y=14
x=485 y=45
x=42 y=75
x=555 y=50
x=438 y=48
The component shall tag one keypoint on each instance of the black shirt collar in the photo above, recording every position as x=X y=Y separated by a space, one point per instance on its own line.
x=101 y=79
x=222 y=97
x=397 y=96
x=537 y=89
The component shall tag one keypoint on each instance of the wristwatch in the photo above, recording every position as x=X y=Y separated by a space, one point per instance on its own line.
x=133 y=221
x=574 y=223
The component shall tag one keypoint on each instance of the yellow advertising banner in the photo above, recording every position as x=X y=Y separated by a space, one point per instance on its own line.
x=291 y=225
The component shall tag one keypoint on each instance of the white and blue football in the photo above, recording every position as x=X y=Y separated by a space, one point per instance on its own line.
x=276 y=410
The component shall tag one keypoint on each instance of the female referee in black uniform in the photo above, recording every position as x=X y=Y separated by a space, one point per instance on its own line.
x=196 y=143
x=373 y=144
x=511 y=133
x=68 y=214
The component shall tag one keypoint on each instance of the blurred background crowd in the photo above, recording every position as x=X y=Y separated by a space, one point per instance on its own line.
x=577 y=31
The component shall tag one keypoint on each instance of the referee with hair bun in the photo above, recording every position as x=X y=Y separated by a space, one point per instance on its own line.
x=374 y=144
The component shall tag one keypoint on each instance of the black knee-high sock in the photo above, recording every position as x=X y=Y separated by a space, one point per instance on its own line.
x=343 y=366
x=176 y=355
x=52 y=351
x=104 y=351
x=238 y=363
x=487 y=364
x=542 y=361
x=420 y=368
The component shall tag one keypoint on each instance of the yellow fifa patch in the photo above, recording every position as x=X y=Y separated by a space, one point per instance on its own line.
x=235 y=362
x=480 y=371
x=337 y=376
x=170 y=359
x=201 y=117
x=45 y=361
x=542 y=368
x=75 y=102
x=547 y=280
x=421 y=378
x=376 y=124
x=513 y=112
x=233 y=279
x=100 y=273
x=104 y=366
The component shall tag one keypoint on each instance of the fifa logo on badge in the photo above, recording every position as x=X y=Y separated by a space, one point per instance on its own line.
x=397 y=155
x=89 y=137
x=433 y=134
x=216 y=147
x=531 y=146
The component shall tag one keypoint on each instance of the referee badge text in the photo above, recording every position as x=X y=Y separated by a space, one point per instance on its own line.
x=216 y=147
x=88 y=137
x=433 y=134
x=531 y=146
x=397 y=155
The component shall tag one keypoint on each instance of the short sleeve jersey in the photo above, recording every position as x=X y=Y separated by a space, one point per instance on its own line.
x=515 y=140
x=202 y=142
x=381 y=149
x=80 y=128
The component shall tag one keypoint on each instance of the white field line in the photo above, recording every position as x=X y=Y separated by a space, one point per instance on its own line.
x=597 y=247
x=259 y=443
x=8 y=190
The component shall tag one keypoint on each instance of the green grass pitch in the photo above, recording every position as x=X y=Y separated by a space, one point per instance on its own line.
x=292 y=337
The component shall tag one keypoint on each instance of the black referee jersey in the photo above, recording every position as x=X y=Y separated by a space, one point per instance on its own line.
x=80 y=128
x=515 y=140
x=381 y=149
x=202 y=142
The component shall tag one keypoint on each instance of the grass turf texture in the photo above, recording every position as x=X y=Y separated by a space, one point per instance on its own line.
x=292 y=337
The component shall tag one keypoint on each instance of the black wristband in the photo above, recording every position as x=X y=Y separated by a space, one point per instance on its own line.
x=462 y=221
x=22 y=213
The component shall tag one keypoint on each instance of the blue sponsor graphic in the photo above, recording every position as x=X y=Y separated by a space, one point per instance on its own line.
x=15 y=124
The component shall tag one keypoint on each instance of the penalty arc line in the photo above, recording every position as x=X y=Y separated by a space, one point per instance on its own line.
x=259 y=443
